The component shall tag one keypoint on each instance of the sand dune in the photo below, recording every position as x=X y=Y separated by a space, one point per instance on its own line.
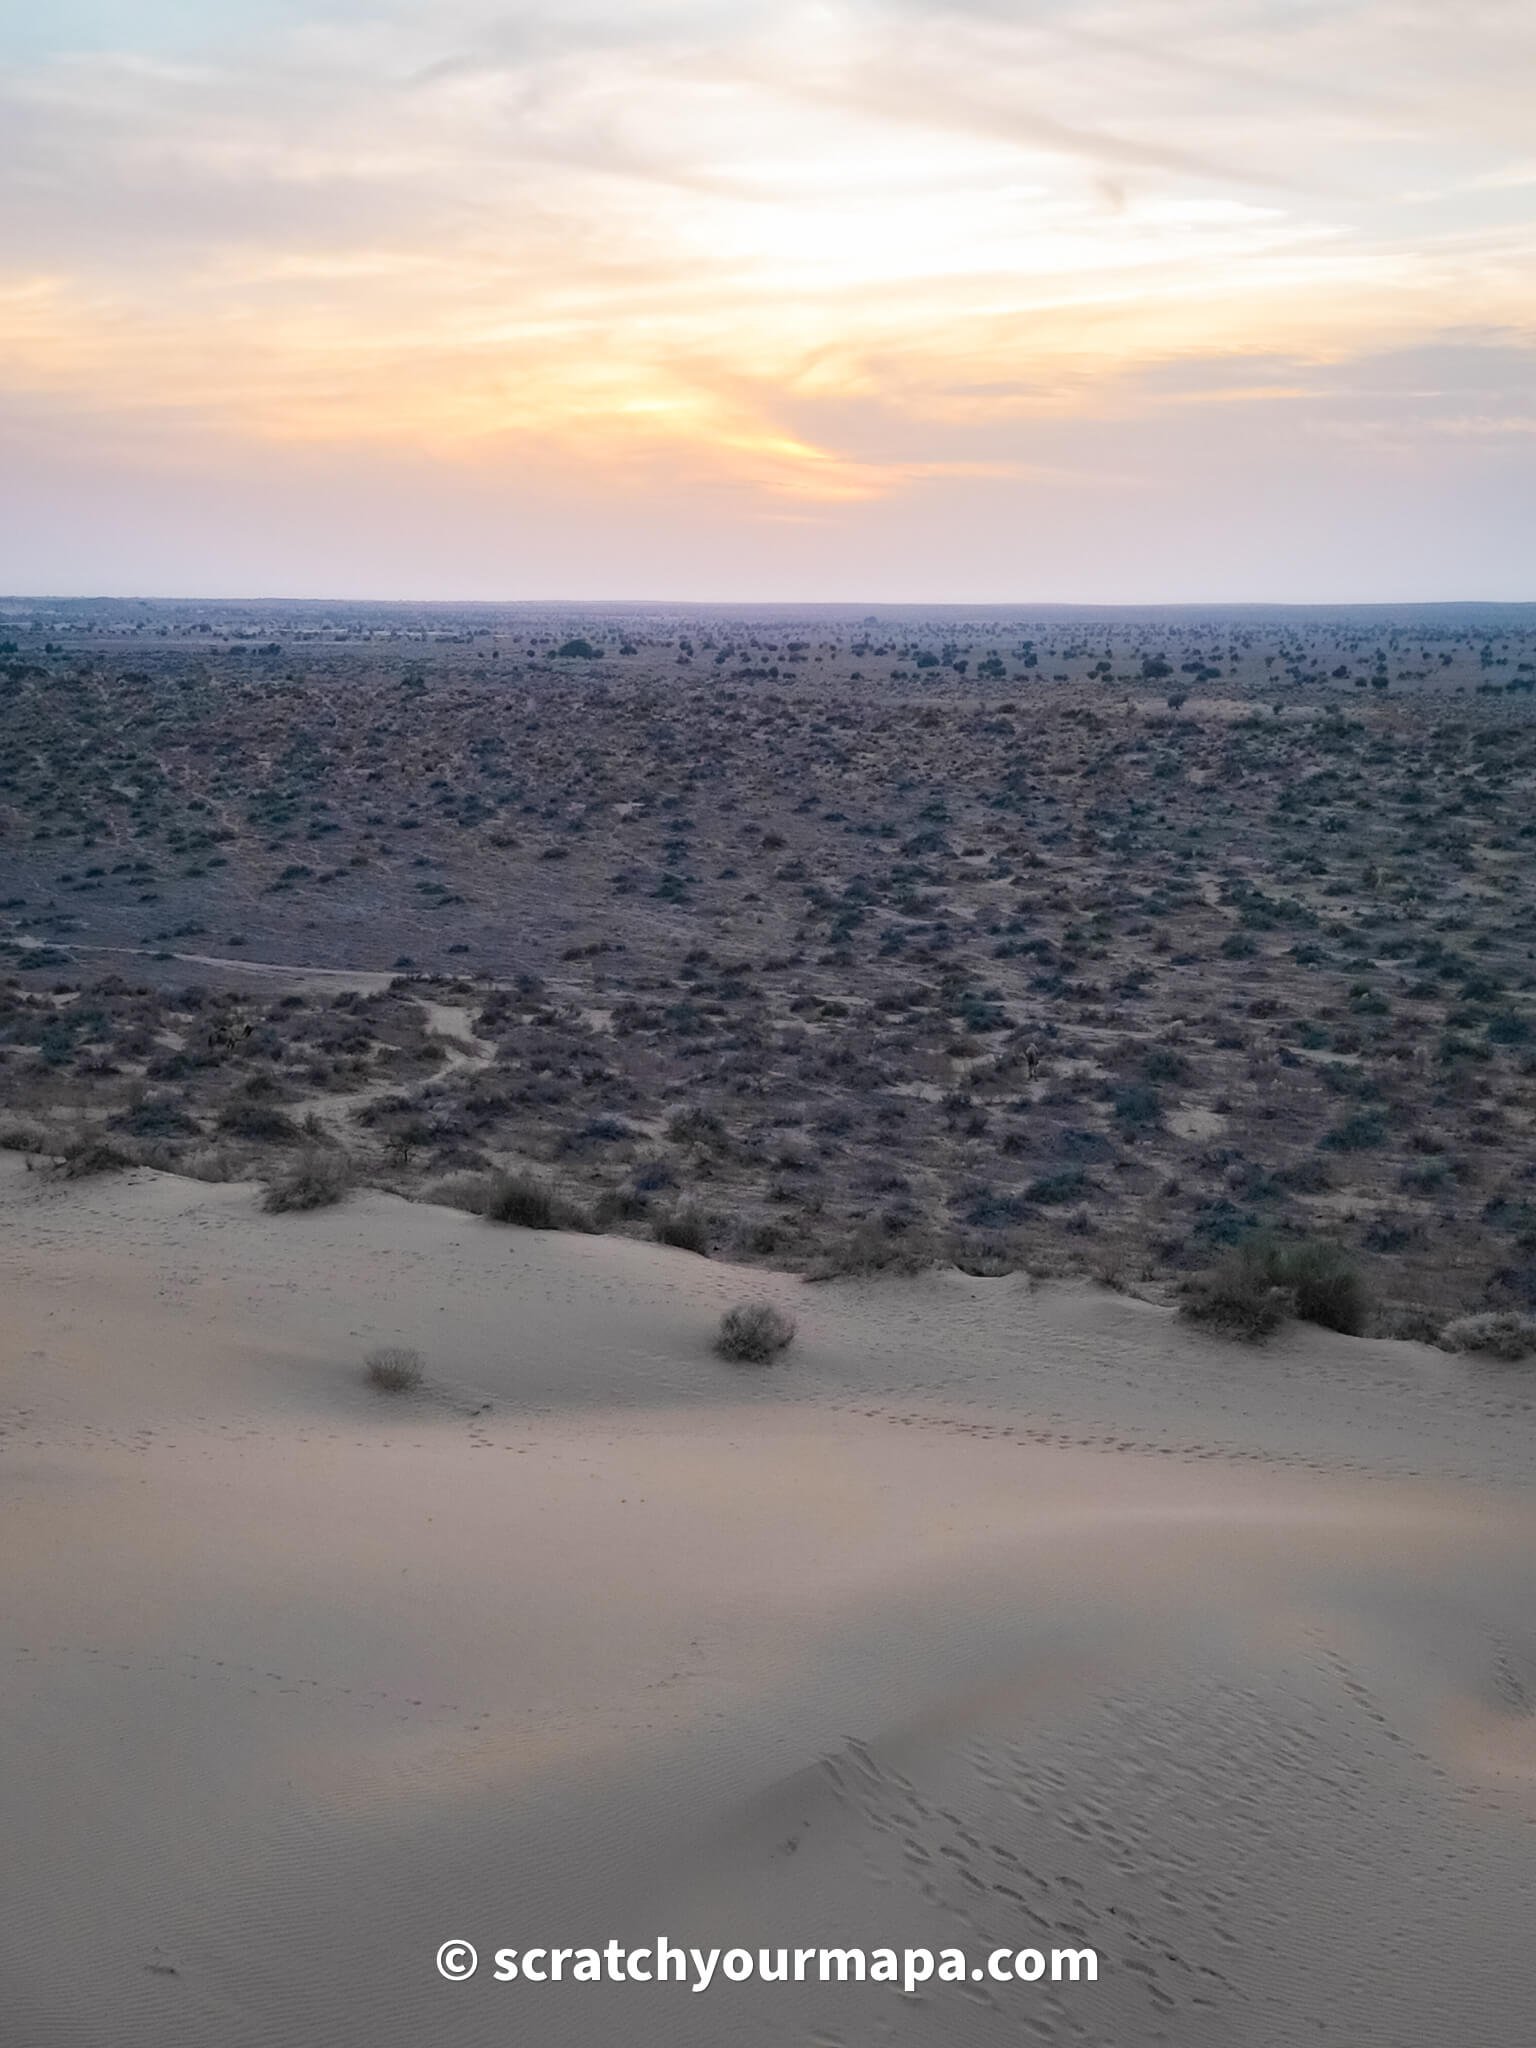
x=991 y=1616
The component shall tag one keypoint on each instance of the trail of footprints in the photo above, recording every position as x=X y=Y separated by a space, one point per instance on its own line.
x=254 y=1679
x=1174 y=1835
x=1064 y=1437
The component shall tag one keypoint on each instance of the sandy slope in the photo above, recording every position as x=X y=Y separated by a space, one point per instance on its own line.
x=990 y=1616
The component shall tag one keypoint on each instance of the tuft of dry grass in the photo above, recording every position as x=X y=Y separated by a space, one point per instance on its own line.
x=393 y=1369
x=754 y=1332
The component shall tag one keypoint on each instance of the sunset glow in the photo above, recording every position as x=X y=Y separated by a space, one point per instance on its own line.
x=719 y=298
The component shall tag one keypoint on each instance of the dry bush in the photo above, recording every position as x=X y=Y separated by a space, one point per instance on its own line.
x=1410 y=1324
x=88 y=1154
x=259 y=1123
x=215 y=1163
x=983 y=1261
x=868 y=1250
x=532 y=1204
x=1263 y=1281
x=393 y=1369
x=467 y=1191
x=686 y=1229
x=316 y=1181
x=1326 y=1283
x=23 y=1137
x=1237 y=1299
x=1497 y=1333
x=753 y=1332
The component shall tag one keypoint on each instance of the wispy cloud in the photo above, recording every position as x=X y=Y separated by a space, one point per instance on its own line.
x=834 y=251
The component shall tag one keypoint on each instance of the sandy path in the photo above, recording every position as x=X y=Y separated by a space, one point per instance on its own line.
x=990 y=1616
x=362 y=981
x=451 y=1026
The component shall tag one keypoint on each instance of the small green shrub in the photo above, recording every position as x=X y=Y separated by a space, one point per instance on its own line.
x=753 y=1332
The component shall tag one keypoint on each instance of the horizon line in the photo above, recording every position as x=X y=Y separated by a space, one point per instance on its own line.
x=780 y=603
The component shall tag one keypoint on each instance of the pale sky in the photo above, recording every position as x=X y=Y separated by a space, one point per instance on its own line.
x=950 y=300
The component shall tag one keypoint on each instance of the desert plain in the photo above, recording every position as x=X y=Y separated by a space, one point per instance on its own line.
x=524 y=991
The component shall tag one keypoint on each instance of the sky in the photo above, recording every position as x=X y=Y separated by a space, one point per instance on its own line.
x=924 y=300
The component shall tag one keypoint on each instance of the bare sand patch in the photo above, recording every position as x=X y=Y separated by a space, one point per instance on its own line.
x=991 y=1615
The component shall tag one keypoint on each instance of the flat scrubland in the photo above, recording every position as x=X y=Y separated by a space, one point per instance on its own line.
x=818 y=939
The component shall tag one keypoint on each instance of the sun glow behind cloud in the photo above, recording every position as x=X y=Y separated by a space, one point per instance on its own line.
x=878 y=264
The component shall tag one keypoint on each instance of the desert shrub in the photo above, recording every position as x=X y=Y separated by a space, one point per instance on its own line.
x=651 y=1175
x=1137 y=1108
x=156 y=1118
x=1262 y=1281
x=982 y=1261
x=1388 y=1233
x=467 y=1191
x=258 y=1121
x=1410 y=1324
x=986 y=1209
x=22 y=1137
x=753 y=1332
x=89 y=1154
x=1357 y=1133
x=1497 y=1333
x=1163 y=1064
x=524 y=1199
x=686 y=1229
x=695 y=1127
x=393 y=1369
x=1238 y=1298
x=315 y=1181
x=212 y=1163
x=617 y=1205
x=764 y=1240
x=1326 y=1282
x=868 y=1250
